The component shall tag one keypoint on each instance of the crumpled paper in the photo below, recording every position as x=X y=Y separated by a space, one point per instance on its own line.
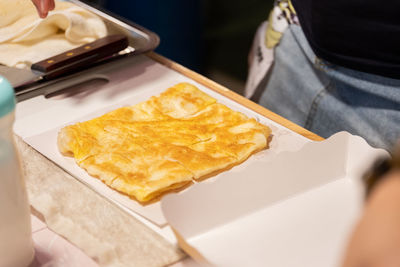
x=101 y=229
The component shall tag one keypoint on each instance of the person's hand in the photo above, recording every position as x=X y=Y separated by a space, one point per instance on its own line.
x=43 y=7
x=376 y=239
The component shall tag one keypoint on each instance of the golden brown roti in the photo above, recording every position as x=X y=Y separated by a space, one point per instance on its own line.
x=164 y=142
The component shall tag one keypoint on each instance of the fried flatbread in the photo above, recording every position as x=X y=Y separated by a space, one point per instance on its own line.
x=163 y=143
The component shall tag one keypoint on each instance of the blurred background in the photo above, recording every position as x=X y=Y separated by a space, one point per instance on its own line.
x=211 y=37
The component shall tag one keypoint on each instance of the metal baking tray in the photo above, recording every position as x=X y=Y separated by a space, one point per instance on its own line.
x=141 y=40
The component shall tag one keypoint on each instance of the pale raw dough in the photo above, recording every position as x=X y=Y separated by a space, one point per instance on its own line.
x=25 y=38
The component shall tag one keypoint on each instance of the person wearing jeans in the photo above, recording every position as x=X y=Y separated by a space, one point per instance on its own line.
x=328 y=77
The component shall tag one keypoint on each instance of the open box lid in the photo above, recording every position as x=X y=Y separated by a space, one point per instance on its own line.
x=294 y=210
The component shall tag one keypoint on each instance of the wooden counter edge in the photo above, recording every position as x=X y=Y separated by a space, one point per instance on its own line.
x=234 y=96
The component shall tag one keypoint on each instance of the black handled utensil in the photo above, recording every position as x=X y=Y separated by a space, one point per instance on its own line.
x=66 y=62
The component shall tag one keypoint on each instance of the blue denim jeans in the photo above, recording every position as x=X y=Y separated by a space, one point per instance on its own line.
x=327 y=98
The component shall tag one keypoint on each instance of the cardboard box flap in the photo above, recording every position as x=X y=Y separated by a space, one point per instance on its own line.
x=286 y=201
x=359 y=154
x=262 y=183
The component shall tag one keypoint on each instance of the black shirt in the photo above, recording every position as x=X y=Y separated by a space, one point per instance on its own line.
x=358 y=34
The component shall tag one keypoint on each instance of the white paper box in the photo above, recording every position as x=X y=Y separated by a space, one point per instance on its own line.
x=297 y=209
x=39 y=120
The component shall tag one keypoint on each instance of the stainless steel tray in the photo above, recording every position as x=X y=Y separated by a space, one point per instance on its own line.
x=141 y=40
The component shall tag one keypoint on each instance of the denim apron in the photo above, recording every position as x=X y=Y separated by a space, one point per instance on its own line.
x=326 y=98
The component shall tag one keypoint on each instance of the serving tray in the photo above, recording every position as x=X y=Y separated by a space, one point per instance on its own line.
x=141 y=40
